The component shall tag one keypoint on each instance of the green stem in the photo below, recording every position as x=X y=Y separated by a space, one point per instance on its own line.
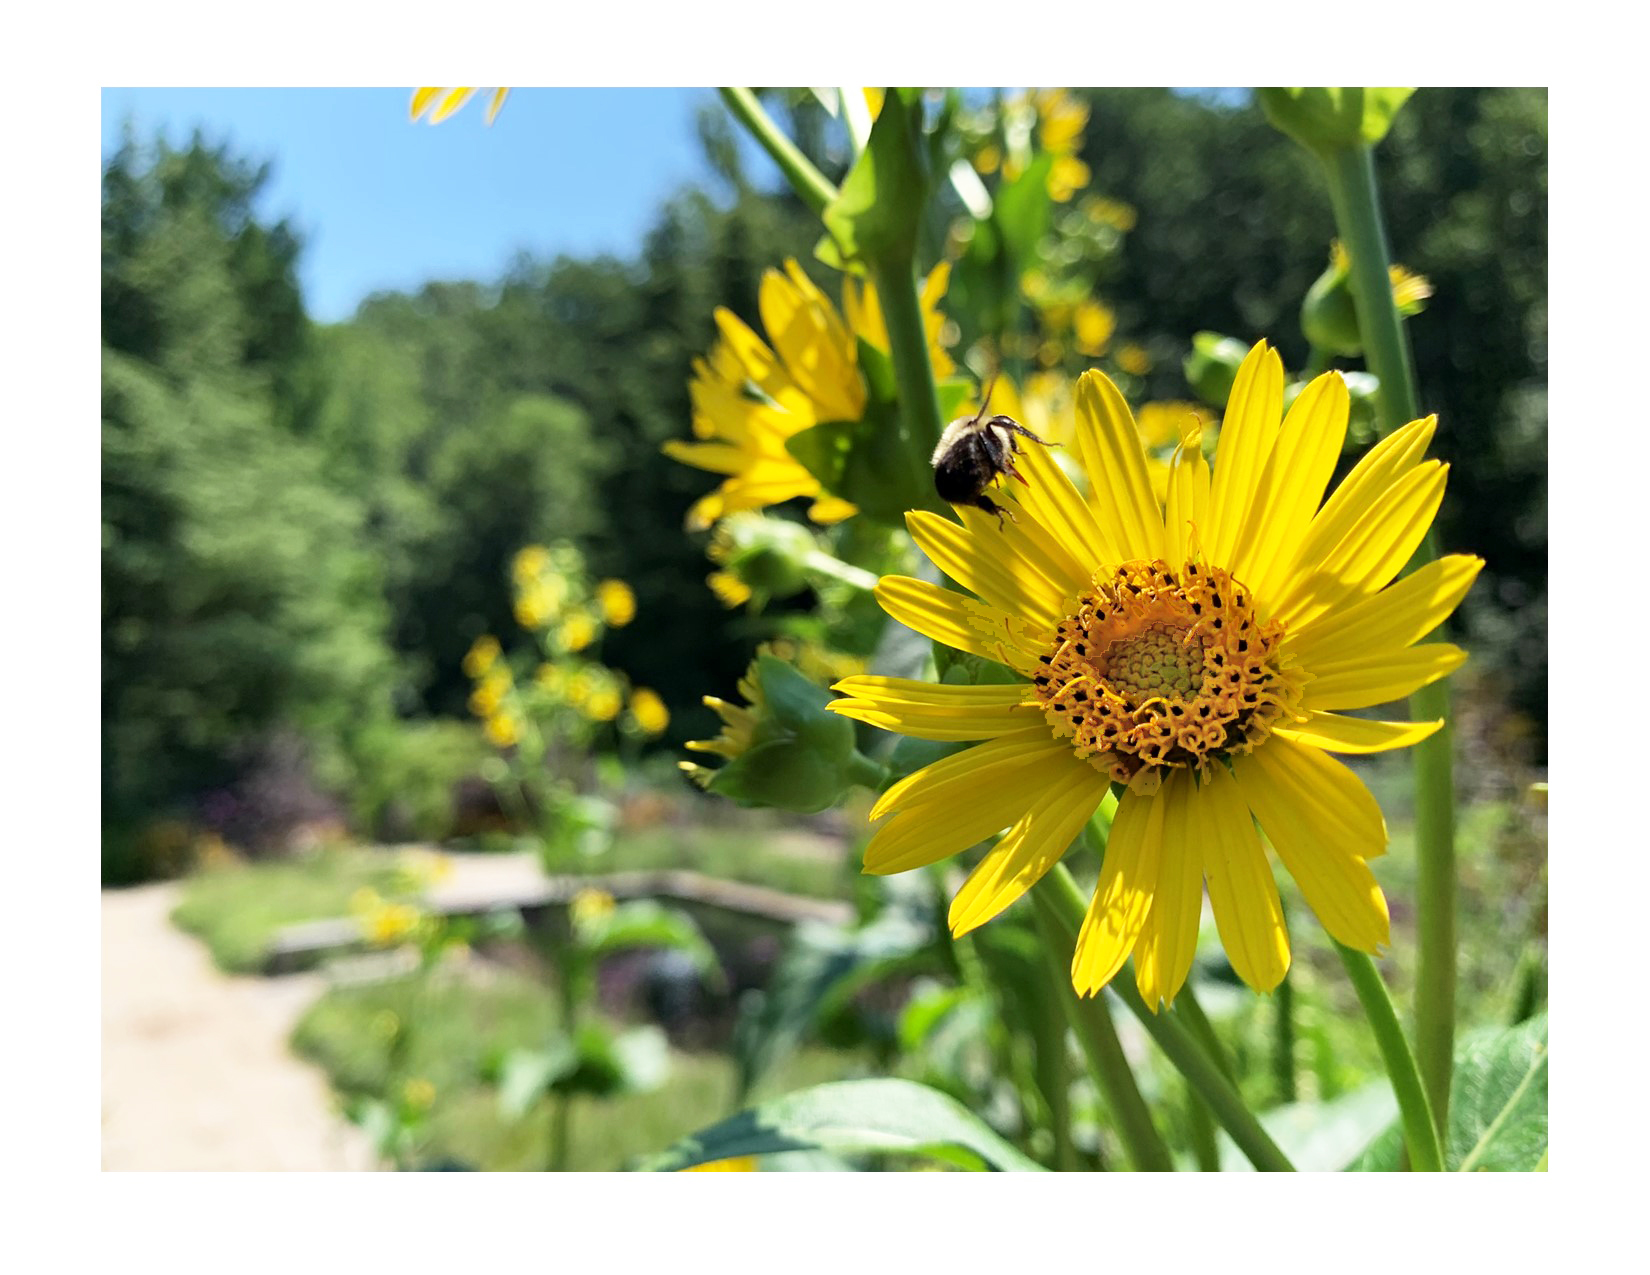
x=1283 y=1040
x=808 y=182
x=1183 y=1049
x=1352 y=191
x=1420 y=1133
x=1203 y=1129
x=825 y=564
x=919 y=404
x=1090 y=1018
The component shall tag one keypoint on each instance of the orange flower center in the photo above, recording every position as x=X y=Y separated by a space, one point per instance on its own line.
x=1161 y=668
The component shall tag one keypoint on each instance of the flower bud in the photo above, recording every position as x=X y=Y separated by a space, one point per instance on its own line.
x=1324 y=119
x=760 y=558
x=1212 y=366
x=783 y=748
x=1329 y=317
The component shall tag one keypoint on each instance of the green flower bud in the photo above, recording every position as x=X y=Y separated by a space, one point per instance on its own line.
x=760 y=558
x=1329 y=318
x=1325 y=119
x=1212 y=366
x=783 y=748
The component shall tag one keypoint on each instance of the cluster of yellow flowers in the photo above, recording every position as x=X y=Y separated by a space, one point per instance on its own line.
x=567 y=613
x=1056 y=119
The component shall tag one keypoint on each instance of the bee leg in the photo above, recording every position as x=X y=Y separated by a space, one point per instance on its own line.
x=992 y=507
x=1014 y=427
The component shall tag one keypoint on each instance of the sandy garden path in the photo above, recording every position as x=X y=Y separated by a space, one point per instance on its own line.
x=197 y=1073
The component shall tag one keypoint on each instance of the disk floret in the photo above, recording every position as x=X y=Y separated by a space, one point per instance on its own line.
x=1162 y=667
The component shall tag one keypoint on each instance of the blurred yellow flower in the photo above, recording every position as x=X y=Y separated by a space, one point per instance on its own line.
x=863 y=311
x=533 y=608
x=418 y=1094
x=1110 y=212
x=1409 y=289
x=1067 y=176
x=1094 y=323
x=503 y=729
x=1134 y=360
x=577 y=631
x=1062 y=117
x=617 y=602
x=530 y=562
x=729 y=589
x=648 y=711
x=383 y=923
x=490 y=693
x=551 y=678
x=748 y=398
x=733 y=1164
x=591 y=905
x=988 y=159
x=451 y=101
x=738 y=726
x=603 y=704
x=481 y=656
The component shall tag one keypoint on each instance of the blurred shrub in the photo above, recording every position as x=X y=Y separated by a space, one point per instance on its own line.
x=411 y=776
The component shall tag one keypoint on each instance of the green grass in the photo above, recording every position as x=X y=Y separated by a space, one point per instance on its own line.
x=371 y=1038
x=237 y=910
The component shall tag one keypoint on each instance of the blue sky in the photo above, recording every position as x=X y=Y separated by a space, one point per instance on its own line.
x=385 y=203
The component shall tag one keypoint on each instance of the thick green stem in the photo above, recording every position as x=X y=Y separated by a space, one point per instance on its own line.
x=1352 y=191
x=1283 y=1040
x=1203 y=1129
x=825 y=564
x=1183 y=1049
x=1090 y=1018
x=919 y=404
x=810 y=185
x=1420 y=1133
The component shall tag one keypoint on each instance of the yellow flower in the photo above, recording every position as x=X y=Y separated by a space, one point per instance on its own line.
x=550 y=678
x=481 y=656
x=988 y=159
x=1203 y=657
x=603 y=704
x=738 y=726
x=418 y=1093
x=1134 y=360
x=648 y=711
x=382 y=922
x=503 y=729
x=729 y=589
x=1409 y=289
x=1094 y=323
x=617 y=602
x=1111 y=212
x=591 y=905
x=577 y=631
x=530 y=562
x=1067 y=176
x=490 y=693
x=451 y=100
x=1062 y=119
x=533 y=609
x=733 y=1164
x=863 y=311
x=748 y=398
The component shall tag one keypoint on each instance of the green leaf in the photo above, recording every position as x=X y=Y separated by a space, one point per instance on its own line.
x=649 y=924
x=1321 y=118
x=879 y=205
x=888 y=1116
x=1497 y=1106
x=1321 y=1136
x=1022 y=213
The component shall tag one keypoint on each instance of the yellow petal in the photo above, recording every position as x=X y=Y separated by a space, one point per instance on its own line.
x=496 y=104
x=752 y=355
x=1121 y=498
x=1382 y=678
x=1031 y=847
x=1391 y=620
x=971 y=563
x=815 y=346
x=1324 y=824
x=1168 y=940
x=718 y=458
x=1247 y=433
x=928 y=711
x=829 y=509
x=953 y=806
x=1371 y=553
x=1337 y=734
x=453 y=101
x=1123 y=897
x=961 y=622
x=1242 y=893
x=1048 y=496
x=1384 y=464
x=1292 y=485
x=421 y=100
x=1033 y=548
x=1186 y=514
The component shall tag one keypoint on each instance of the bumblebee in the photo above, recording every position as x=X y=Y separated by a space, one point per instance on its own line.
x=973 y=451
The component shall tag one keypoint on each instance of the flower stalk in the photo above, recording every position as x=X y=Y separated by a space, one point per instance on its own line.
x=810 y=185
x=1353 y=194
x=896 y=284
x=1421 y=1135
x=1182 y=1047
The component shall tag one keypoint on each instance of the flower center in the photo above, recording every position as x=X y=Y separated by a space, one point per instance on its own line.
x=1161 y=668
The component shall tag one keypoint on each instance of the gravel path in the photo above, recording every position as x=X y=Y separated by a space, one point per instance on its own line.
x=197 y=1073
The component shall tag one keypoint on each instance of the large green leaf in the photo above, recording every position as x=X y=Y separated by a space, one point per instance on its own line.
x=879 y=204
x=1497 y=1106
x=1321 y=1136
x=854 y=1116
x=645 y=923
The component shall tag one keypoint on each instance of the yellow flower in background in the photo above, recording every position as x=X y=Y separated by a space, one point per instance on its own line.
x=1409 y=289
x=503 y=729
x=648 y=711
x=550 y=678
x=1062 y=117
x=577 y=631
x=1067 y=176
x=863 y=310
x=617 y=602
x=1134 y=360
x=1111 y=212
x=729 y=589
x=449 y=101
x=481 y=656
x=988 y=159
x=490 y=693
x=590 y=906
x=733 y=1164
x=533 y=608
x=749 y=398
x=1205 y=657
x=529 y=563
x=418 y=1093
x=603 y=704
x=1094 y=323
x=383 y=923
